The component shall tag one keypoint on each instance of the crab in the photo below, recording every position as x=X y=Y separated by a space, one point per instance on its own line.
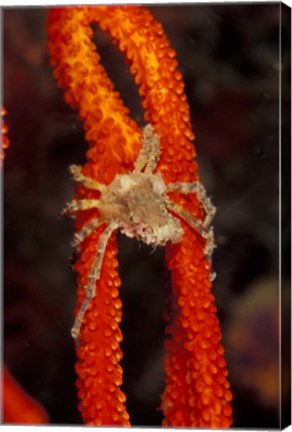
x=137 y=203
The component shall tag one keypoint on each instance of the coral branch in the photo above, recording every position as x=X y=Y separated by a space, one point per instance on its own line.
x=18 y=406
x=197 y=392
x=114 y=137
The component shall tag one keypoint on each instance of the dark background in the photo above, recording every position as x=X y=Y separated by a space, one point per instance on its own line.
x=229 y=56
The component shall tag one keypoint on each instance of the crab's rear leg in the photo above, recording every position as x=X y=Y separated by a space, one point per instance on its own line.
x=206 y=233
x=94 y=274
x=150 y=152
x=197 y=188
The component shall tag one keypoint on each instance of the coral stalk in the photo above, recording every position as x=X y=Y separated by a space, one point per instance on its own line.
x=197 y=392
x=18 y=406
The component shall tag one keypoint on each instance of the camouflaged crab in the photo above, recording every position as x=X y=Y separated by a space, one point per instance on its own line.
x=137 y=203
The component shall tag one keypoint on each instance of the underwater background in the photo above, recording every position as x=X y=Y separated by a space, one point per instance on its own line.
x=229 y=57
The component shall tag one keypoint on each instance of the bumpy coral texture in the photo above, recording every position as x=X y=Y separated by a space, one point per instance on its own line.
x=197 y=392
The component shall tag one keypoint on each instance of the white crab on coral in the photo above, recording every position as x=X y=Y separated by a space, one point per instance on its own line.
x=137 y=203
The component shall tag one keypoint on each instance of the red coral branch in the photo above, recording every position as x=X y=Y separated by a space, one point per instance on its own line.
x=18 y=406
x=197 y=391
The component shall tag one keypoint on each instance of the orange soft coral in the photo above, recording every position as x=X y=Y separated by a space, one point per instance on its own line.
x=197 y=392
x=18 y=406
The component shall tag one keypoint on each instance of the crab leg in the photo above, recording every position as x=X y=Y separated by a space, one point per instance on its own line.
x=79 y=205
x=198 y=225
x=92 y=278
x=85 y=231
x=197 y=188
x=88 y=182
x=150 y=151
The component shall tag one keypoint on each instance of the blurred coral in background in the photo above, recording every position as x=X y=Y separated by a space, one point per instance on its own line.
x=4 y=134
x=18 y=406
x=229 y=57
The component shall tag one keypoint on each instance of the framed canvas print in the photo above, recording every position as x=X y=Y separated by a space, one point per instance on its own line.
x=146 y=191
